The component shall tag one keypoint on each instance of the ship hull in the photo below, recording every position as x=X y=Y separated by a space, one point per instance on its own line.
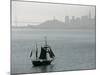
x=40 y=63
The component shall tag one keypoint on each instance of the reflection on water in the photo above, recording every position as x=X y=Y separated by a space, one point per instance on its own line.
x=74 y=50
x=46 y=68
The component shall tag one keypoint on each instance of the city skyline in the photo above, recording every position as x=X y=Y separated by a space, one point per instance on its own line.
x=36 y=13
x=84 y=22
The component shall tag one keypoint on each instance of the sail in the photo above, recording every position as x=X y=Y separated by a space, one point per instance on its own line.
x=43 y=53
x=31 y=54
x=36 y=53
x=51 y=53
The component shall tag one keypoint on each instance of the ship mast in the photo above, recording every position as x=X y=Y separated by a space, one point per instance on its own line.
x=45 y=41
x=48 y=49
x=36 y=52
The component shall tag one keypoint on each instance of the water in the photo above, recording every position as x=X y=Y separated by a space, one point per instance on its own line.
x=74 y=49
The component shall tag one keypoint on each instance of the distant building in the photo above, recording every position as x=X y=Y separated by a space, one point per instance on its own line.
x=67 y=20
x=84 y=20
x=89 y=15
x=78 y=21
x=72 y=21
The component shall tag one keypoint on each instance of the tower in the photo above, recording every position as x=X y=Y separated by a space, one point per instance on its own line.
x=89 y=14
x=67 y=20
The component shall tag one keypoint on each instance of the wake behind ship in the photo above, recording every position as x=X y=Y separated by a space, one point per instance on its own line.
x=42 y=59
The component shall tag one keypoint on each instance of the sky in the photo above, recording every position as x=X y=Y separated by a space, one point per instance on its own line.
x=35 y=13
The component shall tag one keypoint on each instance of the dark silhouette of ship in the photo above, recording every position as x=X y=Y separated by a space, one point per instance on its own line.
x=42 y=59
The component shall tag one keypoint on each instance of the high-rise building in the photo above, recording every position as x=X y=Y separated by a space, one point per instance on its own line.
x=89 y=14
x=67 y=21
x=72 y=21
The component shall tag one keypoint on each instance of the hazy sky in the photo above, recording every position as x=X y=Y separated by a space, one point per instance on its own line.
x=38 y=12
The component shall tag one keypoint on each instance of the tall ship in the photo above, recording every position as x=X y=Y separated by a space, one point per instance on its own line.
x=42 y=59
